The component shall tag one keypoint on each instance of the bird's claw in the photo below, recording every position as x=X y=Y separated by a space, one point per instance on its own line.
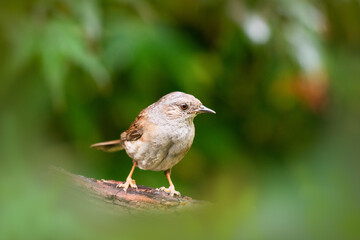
x=129 y=182
x=171 y=190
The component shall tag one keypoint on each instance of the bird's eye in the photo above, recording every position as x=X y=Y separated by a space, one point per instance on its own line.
x=184 y=106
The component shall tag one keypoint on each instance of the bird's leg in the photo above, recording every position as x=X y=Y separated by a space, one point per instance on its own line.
x=129 y=181
x=171 y=188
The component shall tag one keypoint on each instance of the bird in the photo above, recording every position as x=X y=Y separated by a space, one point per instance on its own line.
x=159 y=137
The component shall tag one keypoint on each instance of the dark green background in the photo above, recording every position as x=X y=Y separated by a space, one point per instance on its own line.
x=279 y=160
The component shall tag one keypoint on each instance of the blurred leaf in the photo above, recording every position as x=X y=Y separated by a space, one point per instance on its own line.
x=279 y=160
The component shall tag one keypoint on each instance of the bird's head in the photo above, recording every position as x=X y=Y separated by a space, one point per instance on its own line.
x=182 y=106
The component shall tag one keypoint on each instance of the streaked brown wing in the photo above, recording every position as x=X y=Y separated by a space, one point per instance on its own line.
x=136 y=129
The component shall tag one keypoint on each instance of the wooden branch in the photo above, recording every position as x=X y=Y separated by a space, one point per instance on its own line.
x=142 y=199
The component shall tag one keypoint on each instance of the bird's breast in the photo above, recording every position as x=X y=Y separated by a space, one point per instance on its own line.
x=161 y=148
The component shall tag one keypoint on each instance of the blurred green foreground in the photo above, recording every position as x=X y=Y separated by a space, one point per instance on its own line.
x=279 y=160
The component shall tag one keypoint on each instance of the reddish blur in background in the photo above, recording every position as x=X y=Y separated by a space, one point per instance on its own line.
x=279 y=160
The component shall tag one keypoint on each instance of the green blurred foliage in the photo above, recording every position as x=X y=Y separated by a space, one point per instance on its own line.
x=280 y=159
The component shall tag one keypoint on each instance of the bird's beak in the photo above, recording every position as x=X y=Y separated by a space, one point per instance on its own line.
x=203 y=109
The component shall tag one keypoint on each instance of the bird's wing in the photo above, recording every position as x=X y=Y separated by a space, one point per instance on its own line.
x=136 y=129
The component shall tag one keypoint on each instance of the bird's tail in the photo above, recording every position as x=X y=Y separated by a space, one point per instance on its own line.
x=110 y=146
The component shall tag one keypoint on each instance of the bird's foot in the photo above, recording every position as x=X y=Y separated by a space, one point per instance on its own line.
x=171 y=190
x=129 y=182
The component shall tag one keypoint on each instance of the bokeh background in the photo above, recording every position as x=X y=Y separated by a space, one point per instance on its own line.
x=279 y=160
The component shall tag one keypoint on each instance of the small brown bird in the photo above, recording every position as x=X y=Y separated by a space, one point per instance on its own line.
x=160 y=136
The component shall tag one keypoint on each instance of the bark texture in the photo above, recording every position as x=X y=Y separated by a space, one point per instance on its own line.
x=140 y=200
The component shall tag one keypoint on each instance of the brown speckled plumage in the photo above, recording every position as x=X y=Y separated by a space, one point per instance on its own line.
x=161 y=134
